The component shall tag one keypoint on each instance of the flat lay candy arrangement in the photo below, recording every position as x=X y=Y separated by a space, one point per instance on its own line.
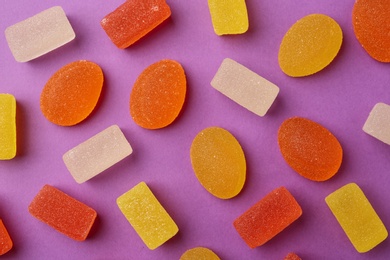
x=153 y=129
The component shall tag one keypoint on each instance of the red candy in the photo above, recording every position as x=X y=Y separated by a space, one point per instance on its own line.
x=133 y=20
x=5 y=240
x=63 y=213
x=268 y=217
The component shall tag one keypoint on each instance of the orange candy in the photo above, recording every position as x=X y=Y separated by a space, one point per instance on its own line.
x=158 y=95
x=268 y=217
x=72 y=93
x=5 y=240
x=292 y=256
x=133 y=20
x=371 y=24
x=63 y=213
x=309 y=148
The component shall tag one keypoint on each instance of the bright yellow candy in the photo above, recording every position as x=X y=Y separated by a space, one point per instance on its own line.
x=7 y=127
x=357 y=217
x=145 y=213
x=229 y=16
x=310 y=45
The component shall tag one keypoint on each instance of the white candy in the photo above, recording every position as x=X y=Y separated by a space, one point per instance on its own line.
x=245 y=87
x=378 y=123
x=39 y=34
x=97 y=154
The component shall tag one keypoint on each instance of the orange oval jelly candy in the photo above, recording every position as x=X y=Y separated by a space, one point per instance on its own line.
x=310 y=45
x=292 y=256
x=158 y=95
x=218 y=162
x=371 y=24
x=268 y=217
x=5 y=240
x=72 y=93
x=198 y=253
x=309 y=148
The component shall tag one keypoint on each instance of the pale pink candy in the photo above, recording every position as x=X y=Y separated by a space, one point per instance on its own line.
x=245 y=87
x=378 y=123
x=39 y=34
x=97 y=154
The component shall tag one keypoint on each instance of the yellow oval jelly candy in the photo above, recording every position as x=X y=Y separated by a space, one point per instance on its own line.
x=199 y=253
x=310 y=45
x=158 y=95
x=309 y=148
x=218 y=162
x=72 y=93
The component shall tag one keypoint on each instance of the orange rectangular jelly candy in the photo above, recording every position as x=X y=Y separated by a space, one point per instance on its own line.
x=268 y=217
x=5 y=240
x=62 y=212
x=133 y=20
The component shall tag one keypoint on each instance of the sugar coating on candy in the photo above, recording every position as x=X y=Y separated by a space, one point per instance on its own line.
x=147 y=216
x=245 y=87
x=158 y=94
x=378 y=123
x=5 y=240
x=371 y=24
x=7 y=126
x=268 y=217
x=292 y=256
x=357 y=217
x=133 y=20
x=310 y=45
x=63 y=213
x=39 y=34
x=97 y=154
x=199 y=253
x=229 y=16
x=218 y=162
x=309 y=148
x=71 y=94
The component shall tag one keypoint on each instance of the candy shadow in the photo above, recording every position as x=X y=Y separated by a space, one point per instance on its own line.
x=21 y=130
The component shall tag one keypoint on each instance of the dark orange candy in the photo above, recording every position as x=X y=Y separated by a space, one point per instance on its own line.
x=268 y=217
x=309 y=148
x=62 y=212
x=5 y=240
x=133 y=20
x=158 y=95
x=292 y=256
x=72 y=93
x=371 y=24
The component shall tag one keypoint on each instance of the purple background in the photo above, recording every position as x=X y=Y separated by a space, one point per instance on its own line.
x=340 y=98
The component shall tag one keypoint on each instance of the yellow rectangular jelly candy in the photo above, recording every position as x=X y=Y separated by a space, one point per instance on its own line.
x=7 y=127
x=357 y=217
x=229 y=16
x=145 y=213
